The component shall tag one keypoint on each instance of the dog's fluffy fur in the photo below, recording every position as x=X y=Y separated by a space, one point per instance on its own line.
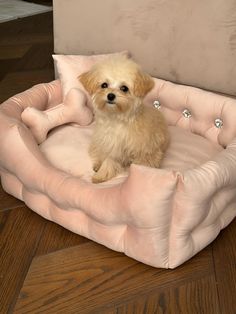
x=126 y=131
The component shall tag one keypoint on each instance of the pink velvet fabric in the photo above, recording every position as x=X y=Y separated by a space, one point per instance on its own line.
x=161 y=217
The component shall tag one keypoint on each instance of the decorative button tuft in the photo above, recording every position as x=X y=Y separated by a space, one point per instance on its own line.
x=218 y=123
x=186 y=113
x=156 y=104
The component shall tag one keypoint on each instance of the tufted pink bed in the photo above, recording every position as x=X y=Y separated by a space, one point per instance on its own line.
x=161 y=217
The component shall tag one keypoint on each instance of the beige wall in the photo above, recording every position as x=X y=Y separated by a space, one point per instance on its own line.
x=185 y=41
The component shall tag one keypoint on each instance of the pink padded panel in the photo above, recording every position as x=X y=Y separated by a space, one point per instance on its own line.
x=161 y=217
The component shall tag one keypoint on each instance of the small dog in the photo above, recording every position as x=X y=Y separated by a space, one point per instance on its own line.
x=126 y=131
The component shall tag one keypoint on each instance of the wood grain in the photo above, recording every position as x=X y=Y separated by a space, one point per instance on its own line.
x=55 y=238
x=7 y=201
x=199 y=296
x=82 y=278
x=224 y=254
x=13 y=83
x=26 y=47
x=20 y=231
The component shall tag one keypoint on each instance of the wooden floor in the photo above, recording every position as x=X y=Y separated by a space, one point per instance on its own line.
x=47 y=269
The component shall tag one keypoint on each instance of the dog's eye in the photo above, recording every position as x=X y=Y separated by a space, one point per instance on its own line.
x=124 y=89
x=104 y=85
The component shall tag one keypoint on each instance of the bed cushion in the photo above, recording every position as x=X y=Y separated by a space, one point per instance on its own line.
x=66 y=148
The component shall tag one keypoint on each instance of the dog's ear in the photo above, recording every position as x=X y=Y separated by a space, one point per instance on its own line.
x=88 y=81
x=143 y=84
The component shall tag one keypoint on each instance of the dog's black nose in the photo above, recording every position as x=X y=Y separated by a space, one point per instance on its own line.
x=111 y=96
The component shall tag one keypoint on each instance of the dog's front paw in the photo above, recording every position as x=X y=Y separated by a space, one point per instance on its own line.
x=108 y=169
x=97 y=178
x=96 y=166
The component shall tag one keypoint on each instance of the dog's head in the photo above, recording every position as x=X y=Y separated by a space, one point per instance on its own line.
x=117 y=85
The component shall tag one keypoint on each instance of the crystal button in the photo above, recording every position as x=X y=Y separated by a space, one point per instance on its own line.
x=157 y=104
x=186 y=113
x=218 y=123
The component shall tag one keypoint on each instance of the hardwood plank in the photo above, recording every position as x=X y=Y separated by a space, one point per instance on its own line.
x=19 y=235
x=39 y=56
x=17 y=82
x=26 y=47
x=55 y=238
x=7 y=201
x=194 y=297
x=13 y=52
x=25 y=39
x=198 y=296
x=224 y=252
x=6 y=66
x=44 y=2
x=32 y=25
x=83 y=278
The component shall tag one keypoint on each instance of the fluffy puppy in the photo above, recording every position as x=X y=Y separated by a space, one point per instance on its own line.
x=126 y=131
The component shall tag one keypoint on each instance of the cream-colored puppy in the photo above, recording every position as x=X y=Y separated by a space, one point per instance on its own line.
x=126 y=131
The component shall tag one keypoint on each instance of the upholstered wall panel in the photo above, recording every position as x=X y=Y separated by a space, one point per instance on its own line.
x=186 y=41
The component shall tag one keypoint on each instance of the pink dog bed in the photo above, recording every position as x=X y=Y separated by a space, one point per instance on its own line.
x=161 y=217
